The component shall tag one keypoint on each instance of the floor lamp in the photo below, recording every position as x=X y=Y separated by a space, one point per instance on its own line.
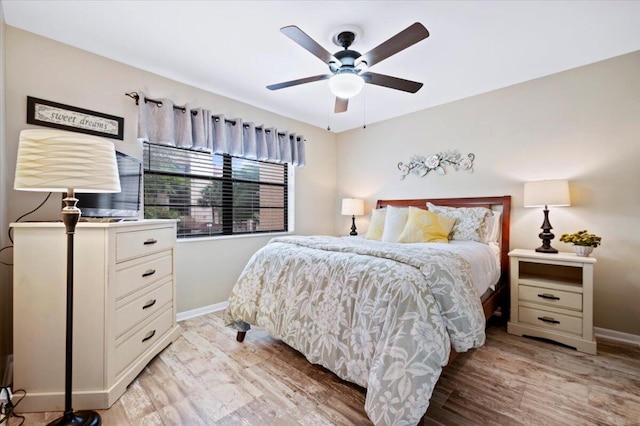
x=57 y=161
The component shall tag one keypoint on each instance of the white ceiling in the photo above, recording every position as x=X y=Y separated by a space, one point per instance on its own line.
x=235 y=49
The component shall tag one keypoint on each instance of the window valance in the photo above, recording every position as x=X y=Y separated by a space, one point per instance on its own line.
x=161 y=121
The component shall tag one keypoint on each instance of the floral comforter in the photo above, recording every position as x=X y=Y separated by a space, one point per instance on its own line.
x=383 y=316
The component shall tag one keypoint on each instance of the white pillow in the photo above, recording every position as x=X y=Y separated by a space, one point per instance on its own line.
x=394 y=222
x=494 y=227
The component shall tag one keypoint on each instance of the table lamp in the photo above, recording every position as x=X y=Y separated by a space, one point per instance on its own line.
x=546 y=193
x=57 y=161
x=352 y=207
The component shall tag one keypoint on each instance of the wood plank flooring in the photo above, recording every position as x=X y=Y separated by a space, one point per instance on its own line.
x=207 y=378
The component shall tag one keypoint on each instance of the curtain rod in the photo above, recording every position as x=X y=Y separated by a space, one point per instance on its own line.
x=136 y=97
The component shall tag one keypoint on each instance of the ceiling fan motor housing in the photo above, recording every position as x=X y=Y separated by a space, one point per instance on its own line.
x=347 y=59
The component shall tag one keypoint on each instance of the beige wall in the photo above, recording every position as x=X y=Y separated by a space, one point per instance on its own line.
x=206 y=270
x=582 y=124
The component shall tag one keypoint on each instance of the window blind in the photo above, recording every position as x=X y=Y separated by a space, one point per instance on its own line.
x=214 y=194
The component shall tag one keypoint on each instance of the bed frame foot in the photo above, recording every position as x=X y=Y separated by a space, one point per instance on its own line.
x=240 y=336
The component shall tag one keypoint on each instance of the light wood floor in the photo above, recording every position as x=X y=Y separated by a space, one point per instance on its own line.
x=207 y=378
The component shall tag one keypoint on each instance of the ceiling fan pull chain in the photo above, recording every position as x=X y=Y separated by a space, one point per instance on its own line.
x=364 y=109
x=329 y=113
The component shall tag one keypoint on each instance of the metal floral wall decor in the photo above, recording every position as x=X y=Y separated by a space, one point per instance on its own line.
x=420 y=165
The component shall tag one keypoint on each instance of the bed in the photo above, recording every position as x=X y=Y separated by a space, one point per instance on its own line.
x=385 y=316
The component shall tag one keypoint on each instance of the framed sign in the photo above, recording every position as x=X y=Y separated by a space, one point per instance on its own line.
x=66 y=117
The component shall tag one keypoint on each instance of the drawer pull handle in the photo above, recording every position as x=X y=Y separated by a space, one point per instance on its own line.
x=148 y=273
x=149 y=304
x=149 y=335
x=548 y=296
x=150 y=241
x=547 y=319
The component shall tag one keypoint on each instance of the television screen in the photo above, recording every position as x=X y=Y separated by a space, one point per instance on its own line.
x=117 y=205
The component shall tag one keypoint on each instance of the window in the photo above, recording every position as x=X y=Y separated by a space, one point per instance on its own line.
x=214 y=194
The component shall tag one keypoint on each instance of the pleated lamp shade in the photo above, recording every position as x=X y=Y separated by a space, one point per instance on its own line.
x=55 y=161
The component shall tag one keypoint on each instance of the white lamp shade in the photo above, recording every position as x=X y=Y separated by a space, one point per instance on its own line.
x=55 y=161
x=352 y=207
x=547 y=193
x=346 y=85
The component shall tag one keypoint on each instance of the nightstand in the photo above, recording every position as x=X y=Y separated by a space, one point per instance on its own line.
x=552 y=297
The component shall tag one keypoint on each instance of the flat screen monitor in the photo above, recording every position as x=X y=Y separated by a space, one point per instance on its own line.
x=117 y=205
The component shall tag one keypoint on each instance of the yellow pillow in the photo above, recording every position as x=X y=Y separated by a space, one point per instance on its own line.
x=376 y=226
x=424 y=226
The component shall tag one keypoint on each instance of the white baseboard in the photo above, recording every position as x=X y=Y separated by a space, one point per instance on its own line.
x=181 y=316
x=617 y=336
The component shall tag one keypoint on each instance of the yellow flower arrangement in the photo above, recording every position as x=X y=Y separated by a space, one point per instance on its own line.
x=581 y=238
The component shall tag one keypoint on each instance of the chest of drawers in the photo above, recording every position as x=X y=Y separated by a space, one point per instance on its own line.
x=552 y=297
x=124 y=308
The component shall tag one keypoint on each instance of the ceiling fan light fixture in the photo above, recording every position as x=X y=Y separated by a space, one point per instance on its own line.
x=346 y=84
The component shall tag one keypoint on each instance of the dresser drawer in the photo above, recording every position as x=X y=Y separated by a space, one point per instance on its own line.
x=139 y=243
x=140 y=341
x=550 y=297
x=136 y=311
x=136 y=274
x=550 y=320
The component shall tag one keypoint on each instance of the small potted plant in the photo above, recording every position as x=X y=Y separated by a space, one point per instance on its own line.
x=583 y=242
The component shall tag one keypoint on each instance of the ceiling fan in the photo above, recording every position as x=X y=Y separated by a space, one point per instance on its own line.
x=348 y=67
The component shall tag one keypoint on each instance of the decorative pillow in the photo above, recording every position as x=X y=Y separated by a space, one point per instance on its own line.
x=394 y=222
x=426 y=227
x=469 y=221
x=376 y=226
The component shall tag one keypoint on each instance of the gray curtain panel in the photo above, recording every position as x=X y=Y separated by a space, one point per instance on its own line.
x=155 y=121
x=198 y=129
x=201 y=124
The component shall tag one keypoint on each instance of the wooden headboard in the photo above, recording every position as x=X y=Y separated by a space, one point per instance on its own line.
x=502 y=204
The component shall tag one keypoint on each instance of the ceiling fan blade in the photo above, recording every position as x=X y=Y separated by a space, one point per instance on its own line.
x=298 y=81
x=341 y=105
x=392 y=82
x=395 y=44
x=300 y=37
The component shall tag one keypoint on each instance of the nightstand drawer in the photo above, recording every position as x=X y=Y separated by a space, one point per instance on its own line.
x=550 y=297
x=550 y=320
